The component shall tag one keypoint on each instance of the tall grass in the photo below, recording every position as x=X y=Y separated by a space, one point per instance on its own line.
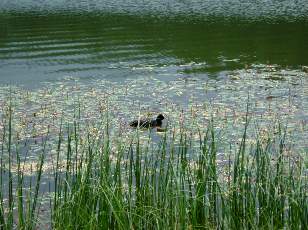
x=107 y=184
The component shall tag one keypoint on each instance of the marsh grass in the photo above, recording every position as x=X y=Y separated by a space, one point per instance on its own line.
x=106 y=184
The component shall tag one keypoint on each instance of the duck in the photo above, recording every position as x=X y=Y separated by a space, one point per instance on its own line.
x=148 y=123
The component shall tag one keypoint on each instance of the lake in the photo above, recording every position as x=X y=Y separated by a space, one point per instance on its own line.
x=157 y=57
x=73 y=74
x=208 y=55
x=47 y=40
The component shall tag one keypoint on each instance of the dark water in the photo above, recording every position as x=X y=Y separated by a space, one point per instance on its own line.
x=47 y=40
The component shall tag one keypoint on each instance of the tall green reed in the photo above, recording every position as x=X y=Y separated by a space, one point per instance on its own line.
x=102 y=182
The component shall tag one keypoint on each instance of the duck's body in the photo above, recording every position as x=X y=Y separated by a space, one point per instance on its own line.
x=147 y=123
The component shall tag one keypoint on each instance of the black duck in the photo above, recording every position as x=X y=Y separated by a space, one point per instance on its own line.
x=148 y=123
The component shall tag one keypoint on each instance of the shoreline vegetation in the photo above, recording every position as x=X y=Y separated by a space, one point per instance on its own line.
x=139 y=186
x=68 y=161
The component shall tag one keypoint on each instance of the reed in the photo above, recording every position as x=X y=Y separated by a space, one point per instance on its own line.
x=107 y=184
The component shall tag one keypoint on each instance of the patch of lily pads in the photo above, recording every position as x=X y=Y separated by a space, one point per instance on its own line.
x=271 y=96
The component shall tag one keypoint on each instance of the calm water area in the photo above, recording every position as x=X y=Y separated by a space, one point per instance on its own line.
x=47 y=40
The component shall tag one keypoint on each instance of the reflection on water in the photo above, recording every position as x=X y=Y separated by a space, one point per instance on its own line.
x=92 y=39
x=269 y=9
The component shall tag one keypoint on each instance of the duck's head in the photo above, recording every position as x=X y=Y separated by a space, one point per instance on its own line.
x=160 y=117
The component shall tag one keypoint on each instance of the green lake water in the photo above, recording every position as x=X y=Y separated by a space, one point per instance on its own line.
x=48 y=40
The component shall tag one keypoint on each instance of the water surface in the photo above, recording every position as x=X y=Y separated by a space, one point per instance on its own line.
x=48 y=40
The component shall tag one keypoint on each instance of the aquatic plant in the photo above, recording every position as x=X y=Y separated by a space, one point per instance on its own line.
x=70 y=160
x=169 y=185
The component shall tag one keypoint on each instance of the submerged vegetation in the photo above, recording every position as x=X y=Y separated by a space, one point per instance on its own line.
x=69 y=159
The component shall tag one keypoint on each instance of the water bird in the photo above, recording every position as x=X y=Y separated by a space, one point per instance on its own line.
x=148 y=123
